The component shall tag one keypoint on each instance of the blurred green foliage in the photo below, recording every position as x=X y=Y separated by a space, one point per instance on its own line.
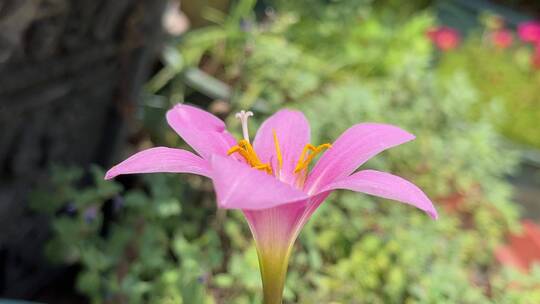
x=131 y=247
x=163 y=241
x=506 y=82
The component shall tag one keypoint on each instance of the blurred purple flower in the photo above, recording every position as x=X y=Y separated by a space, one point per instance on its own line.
x=90 y=214
x=246 y=25
x=118 y=203
x=70 y=208
x=203 y=279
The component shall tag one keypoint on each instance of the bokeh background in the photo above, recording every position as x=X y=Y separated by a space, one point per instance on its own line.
x=84 y=84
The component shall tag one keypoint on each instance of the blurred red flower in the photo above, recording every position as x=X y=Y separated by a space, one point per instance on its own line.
x=522 y=250
x=535 y=60
x=502 y=38
x=529 y=31
x=445 y=38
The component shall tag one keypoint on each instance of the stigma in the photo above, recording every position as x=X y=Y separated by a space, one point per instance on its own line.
x=244 y=147
x=243 y=117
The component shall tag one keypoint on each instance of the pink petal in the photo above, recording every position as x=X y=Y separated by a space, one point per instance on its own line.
x=239 y=186
x=276 y=228
x=161 y=159
x=292 y=130
x=204 y=132
x=353 y=148
x=387 y=186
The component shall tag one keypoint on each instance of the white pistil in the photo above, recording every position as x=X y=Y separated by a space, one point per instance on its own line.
x=243 y=116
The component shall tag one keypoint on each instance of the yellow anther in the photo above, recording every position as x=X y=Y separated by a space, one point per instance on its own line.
x=304 y=151
x=234 y=149
x=278 y=151
x=265 y=167
x=245 y=150
x=303 y=163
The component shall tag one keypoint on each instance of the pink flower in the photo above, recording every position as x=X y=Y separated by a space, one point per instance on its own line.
x=502 y=38
x=445 y=38
x=270 y=181
x=529 y=31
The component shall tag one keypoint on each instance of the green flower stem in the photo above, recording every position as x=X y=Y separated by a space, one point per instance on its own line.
x=273 y=262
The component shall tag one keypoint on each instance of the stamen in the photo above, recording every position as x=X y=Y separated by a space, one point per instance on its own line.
x=304 y=163
x=278 y=151
x=304 y=151
x=234 y=149
x=265 y=167
x=245 y=150
x=243 y=116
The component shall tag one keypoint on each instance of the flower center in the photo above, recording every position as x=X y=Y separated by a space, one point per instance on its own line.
x=245 y=149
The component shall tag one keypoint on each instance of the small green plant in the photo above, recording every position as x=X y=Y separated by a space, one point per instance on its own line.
x=129 y=244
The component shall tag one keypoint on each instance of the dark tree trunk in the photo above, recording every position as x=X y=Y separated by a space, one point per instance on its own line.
x=70 y=74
